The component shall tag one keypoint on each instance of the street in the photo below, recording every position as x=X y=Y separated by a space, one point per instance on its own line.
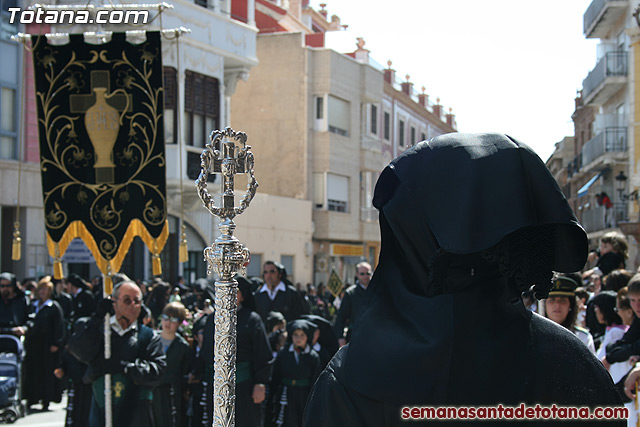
x=53 y=417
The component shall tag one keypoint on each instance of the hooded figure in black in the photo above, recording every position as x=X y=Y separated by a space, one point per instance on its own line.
x=254 y=357
x=467 y=223
x=324 y=340
x=295 y=370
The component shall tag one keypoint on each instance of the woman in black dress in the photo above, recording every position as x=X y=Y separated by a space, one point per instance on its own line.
x=168 y=397
x=43 y=340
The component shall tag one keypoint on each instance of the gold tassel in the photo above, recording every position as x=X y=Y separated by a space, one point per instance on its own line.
x=156 y=265
x=16 y=248
x=57 y=264
x=57 y=270
x=183 y=252
x=108 y=284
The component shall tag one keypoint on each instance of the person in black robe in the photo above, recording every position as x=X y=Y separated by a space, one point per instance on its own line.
x=325 y=341
x=295 y=370
x=137 y=360
x=64 y=299
x=43 y=341
x=352 y=303
x=168 y=392
x=468 y=222
x=71 y=370
x=254 y=357
x=158 y=298
x=14 y=306
x=83 y=303
x=253 y=363
x=196 y=374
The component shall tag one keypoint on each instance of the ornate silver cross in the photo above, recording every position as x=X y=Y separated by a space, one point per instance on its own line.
x=226 y=257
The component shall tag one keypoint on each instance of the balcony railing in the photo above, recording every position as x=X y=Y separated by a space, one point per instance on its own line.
x=612 y=64
x=599 y=218
x=613 y=139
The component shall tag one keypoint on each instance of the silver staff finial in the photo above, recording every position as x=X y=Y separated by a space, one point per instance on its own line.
x=226 y=257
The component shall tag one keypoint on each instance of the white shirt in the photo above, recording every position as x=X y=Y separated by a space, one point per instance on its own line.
x=306 y=350
x=115 y=326
x=272 y=293
x=47 y=303
x=586 y=338
x=619 y=369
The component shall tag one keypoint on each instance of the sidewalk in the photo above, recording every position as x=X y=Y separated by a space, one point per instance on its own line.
x=54 y=417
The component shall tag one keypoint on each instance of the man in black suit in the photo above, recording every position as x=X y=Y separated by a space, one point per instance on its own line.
x=277 y=294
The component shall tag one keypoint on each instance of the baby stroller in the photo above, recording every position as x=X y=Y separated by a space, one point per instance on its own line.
x=11 y=355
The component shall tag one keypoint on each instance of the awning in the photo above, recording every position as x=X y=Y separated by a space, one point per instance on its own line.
x=585 y=188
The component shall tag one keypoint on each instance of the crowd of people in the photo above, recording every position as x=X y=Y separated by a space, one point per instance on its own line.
x=448 y=319
x=161 y=343
x=286 y=336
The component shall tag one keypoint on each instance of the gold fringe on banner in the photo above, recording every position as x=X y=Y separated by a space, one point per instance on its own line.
x=136 y=228
x=183 y=253
x=16 y=247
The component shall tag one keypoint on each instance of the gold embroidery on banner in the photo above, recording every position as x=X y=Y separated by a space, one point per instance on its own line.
x=105 y=112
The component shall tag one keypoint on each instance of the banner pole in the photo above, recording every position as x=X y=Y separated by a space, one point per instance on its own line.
x=108 y=419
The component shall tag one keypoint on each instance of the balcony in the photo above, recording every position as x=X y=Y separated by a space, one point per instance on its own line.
x=607 y=78
x=596 y=218
x=602 y=16
x=610 y=140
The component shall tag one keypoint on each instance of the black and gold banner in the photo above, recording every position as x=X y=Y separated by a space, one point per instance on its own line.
x=102 y=146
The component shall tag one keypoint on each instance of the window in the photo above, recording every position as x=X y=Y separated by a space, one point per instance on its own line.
x=367 y=185
x=413 y=136
x=10 y=77
x=401 y=133
x=318 y=190
x=337 y=193
x=7 y=29
x=254 y=269
x=8 y=127
x=620 y=115
x=374 y=119
x=170 y=104
x=319 y=108
x=423 y=137
x=201 y=107
x=339 y=117
x=287 y=261
x=387 y=125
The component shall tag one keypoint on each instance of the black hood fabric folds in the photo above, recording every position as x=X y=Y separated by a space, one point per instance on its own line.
x=467 y=222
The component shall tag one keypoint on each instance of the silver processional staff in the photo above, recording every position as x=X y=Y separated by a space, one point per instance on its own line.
x=226 y=256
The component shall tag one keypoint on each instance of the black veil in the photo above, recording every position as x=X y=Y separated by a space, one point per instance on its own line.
x=467 y=221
